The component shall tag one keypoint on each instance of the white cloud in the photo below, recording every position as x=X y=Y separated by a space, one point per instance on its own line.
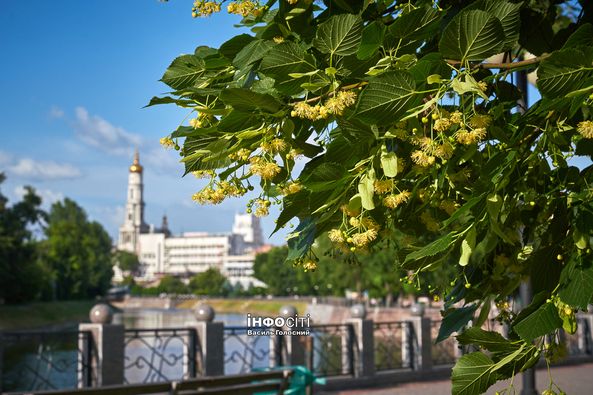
x=56 y=112
x=100 y=133
x=46 y=170
x=48 y=197
x=162 y=161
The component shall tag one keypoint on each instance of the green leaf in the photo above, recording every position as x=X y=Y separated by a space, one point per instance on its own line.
x=366 y=189
x=473 y=374
x=417 y=24
x=577 y=289
x=339 y=35
x=245 y=99
x=239 y=120
x=472 y=35
x=184 y=71
x=388 y=162
x=232 y=47
x=564 y=71
x=372 y=37
x=251 y=53
x=292 y=206
x=541 y=322
x=582 y=37
x=301 y=239
x=387 y=97
x=454 y=320
x=284 y=59
x=467 y=246
x=509 y=15
x=491 y=341
x=170 y=100
x=436 y=247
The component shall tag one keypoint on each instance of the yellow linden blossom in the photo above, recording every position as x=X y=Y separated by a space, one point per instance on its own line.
x=585 y=128
x=483 y=86
x=364 y=238
x=307 y=111
x=422 y=159
x=294 y=154
x=336 y=236
x=167 y=142
x=428 y=221
x=354 y=222
x=337 y=104
x=349 y=212
x=266 y=170
x=292 y=2
x=292 y=187
x=470 y=137
x=383 y=186
x=310 y=265
x=370 y=224
x=278 y=39
x=480 y=121
x=209 y=195
x=444 y=151
x=244 y=8
x=448 y=206
x=243 y=154
x=203 y=173
x=262 y=208
x=204 y=8
x=456 y=117
x=394 y=200
x=442 y=124
x=425 y=143
x=195 y=123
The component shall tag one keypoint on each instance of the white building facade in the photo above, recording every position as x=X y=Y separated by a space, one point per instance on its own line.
x=160 y=253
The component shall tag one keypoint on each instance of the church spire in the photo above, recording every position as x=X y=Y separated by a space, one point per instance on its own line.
x=136 y=167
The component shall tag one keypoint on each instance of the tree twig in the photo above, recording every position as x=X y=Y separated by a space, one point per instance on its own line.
x=505 y=65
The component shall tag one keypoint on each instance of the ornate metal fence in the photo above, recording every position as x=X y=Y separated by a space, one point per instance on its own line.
x=243 y=353
x=330 y=350
x=390 y=349
x=155 y=355
x=34 y=361
x=445 y=352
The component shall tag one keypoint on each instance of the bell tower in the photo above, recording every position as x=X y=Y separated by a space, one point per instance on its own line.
x=134 y=216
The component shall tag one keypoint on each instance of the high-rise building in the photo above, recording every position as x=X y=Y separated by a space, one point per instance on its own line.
x=160 y=252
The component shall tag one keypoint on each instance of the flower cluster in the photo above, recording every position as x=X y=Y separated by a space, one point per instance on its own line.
x=291 y=187
x=245 y=8
x=468 y=137
x=262 y=207
x=264 y=168
x=422 y=159
x=166 y=142
x=358 y=233
x=222 y=190
x=242 y=155
x=585 y=128
x=275 y=146
x=204 y=8
x=395 y=200
x=334 y=105
x=204 y=173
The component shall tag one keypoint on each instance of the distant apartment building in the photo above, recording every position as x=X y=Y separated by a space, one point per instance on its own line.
x=160 y=252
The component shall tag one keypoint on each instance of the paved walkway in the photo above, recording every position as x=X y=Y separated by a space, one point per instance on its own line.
x=574 y=380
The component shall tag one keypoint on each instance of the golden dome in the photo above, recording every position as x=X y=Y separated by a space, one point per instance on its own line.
x=136 y=167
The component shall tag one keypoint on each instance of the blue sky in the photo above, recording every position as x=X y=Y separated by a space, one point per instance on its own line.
x=75 y=76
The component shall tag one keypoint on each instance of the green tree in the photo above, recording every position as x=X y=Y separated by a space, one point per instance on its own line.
x=171 y=284
x=77 y=252
x=211 y=282
x=22 y=277
x=272 y=269
x=416 y=133
x=126 y=261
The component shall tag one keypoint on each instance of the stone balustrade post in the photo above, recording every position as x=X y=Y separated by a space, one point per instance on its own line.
x=210 y=357
x=417 y=341
x=363 y=342
x=289 y=349
x=106 y=349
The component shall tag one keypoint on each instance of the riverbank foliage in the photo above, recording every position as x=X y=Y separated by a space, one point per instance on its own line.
x=55 y=255
x=413 y=130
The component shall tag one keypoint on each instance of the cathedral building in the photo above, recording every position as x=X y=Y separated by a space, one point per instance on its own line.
x=160 y=252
